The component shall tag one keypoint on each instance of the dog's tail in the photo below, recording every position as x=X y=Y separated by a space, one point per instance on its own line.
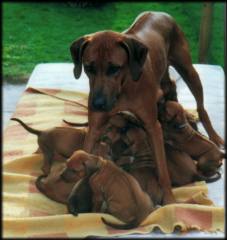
x=211 y=179
x=76 y=124
x=130 y=225
x=29 y=129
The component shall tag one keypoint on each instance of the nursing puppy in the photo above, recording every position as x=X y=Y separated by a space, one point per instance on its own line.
x=180 y=135
x=139 y=160
x=60 y=141
x=183 y=170
x=123 y=195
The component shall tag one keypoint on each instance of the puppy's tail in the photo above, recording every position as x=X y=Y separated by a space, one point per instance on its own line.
x=29 y=129
x=211 y=179
x=132 y=224
x=76 y=124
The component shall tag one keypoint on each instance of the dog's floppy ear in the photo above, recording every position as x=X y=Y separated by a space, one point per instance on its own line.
x=90 y=164
x=137 y=53
x=76 y=50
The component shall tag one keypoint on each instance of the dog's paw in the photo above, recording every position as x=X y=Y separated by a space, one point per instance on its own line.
x=72 y=210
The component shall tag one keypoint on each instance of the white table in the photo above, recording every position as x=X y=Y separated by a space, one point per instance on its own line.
x=60 y=75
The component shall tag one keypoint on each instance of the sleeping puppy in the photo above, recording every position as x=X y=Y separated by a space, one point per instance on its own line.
x=180 y=135
x=60 y=141
x=123 y=195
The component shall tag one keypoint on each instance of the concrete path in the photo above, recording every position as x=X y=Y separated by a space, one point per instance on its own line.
x=11 y=95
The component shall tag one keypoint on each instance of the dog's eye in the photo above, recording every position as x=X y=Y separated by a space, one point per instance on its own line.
x=90 y=69
x=113 y=70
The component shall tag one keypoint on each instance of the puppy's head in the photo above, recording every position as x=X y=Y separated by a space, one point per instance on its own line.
x=175 y=112
x=208 y=167
x=109 y=60
x=79 y=164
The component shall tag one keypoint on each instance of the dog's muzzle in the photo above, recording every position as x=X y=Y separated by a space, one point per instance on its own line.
x=101 y=104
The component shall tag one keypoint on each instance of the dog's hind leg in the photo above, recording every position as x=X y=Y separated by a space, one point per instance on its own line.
x=180 y=58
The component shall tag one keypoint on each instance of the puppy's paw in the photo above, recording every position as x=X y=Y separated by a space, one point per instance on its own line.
x=72 y=210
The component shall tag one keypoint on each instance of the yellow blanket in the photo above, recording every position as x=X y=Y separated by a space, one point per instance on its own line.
x=28 y=213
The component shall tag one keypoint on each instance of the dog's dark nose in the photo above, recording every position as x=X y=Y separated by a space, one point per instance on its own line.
x=99 y=103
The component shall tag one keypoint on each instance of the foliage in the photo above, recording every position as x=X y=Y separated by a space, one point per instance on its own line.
x=42 y=32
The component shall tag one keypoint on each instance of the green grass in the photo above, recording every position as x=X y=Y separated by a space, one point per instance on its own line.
x=42 y=32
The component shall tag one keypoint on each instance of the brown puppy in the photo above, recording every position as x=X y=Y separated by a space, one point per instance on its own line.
x=180 y=135
x=170 y=94
x=139 y=160
x=54 y=186
x=59 y=189
x=124 y=197
x=183 y=169
x=133 y=153
x=62 y=141
x=122 y=65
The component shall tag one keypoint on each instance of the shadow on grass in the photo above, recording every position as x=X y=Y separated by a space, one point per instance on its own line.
x=17 y=80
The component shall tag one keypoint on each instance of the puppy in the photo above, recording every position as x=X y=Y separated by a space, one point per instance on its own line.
x=180 y=135
x=58 y=188
x=182 y=168
x=62 y=141
x=54 y=186
x=142 y=167
x=124 y=197
x=80 y=198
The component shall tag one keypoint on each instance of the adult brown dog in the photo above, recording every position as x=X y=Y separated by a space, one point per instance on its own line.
x=122 y=193
x=125 y=71
x=180 y=135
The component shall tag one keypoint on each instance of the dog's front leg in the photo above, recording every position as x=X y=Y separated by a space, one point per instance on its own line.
x=96 y=122
x=155 y=137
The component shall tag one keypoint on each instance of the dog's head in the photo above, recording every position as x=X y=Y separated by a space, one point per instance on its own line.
x=109 y=60
x=79 y=164
x=209 y=166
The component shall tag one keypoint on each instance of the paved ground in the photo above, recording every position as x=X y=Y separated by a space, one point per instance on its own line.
x=11 y=95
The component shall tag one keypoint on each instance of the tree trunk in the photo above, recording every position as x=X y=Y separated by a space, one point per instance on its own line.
x=205 y=31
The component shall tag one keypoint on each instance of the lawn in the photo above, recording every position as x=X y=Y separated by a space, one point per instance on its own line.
x=42 y=32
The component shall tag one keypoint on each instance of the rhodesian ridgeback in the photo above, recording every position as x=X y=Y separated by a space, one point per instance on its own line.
x=180 y=135
x=136 y=157
x=125 y=72
x=57 y=143
x=54 y=186
x=122 y=193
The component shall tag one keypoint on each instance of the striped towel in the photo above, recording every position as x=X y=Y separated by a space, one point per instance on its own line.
x=29 y=213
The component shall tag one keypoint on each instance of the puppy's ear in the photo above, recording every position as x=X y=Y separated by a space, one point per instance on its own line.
x=91 y=164
x=137 y=53
x=76 y=50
